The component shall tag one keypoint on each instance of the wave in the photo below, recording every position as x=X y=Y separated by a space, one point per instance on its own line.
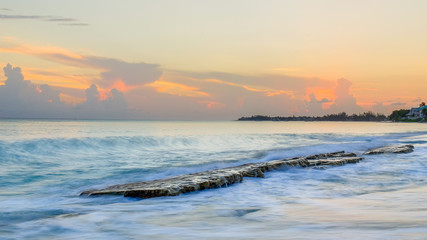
x=254 y=145
x=135 y=158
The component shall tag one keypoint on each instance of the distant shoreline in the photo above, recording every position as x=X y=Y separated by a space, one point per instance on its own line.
x=363 y=117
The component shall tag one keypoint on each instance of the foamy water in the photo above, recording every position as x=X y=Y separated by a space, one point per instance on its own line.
x=44 y=165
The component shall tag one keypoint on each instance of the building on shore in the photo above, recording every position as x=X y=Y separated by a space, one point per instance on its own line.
x=417 y=113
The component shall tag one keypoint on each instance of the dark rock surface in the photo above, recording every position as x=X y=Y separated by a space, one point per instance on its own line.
x=223 y=177
x=391 y=149
x=220 y=177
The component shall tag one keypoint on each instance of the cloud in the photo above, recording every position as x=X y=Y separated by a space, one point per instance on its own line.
x=5 y=16
x=398 y=104
x=111 y=70
x=115 y=102
x=226 y=103
x=388 y=107
x=236 y=95
x=14 y=76
x=92 y=97
x=74 y=24
x=344 y=100
x=269 y=84
x=314 y=106
x=183 y=96
x=19 y=98
x=177 y=89
x=380 y=108
x=229 y=96
x=131 y=74
x=113 y=107
x=48 y=52
x=59 y=20
x=146 y=91
x=170 y=97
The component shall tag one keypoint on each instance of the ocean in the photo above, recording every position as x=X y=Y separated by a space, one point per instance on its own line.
x=46 y=164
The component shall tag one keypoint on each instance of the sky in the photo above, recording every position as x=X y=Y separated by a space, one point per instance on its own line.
x=210 y=60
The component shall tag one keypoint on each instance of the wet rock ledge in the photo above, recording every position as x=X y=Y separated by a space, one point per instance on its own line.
x=220 y=177
x=391 y=149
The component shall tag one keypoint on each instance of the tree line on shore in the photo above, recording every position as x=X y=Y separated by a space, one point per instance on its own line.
x=401 y=115
x=366 y=116
x=398 y=115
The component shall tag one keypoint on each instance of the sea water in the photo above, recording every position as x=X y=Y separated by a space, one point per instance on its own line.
x=45 y=165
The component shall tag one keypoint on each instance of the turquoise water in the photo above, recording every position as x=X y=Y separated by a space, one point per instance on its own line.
x=44 y=165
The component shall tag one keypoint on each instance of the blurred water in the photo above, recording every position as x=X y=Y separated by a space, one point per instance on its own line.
x=44 y=165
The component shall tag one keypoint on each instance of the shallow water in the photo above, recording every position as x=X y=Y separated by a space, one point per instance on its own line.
x=44 y=165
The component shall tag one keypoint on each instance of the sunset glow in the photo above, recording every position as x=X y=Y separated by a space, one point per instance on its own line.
x=177 y=89
x=286 y=56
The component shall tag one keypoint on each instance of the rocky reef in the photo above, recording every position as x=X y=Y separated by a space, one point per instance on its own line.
x=224 y=177
x=220 y=177
x=391 y=149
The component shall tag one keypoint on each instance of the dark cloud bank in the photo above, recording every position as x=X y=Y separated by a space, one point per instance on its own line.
x=238 y=101
x=226 y=99
x=19 y=98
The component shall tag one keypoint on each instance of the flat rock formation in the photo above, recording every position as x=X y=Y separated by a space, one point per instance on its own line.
x=220 y=177
x=391 y=149
x=224 y=177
